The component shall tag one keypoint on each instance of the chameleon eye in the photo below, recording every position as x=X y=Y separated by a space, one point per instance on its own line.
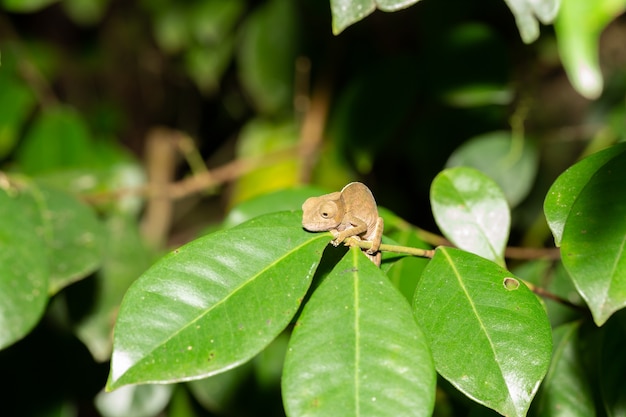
x=328 y=210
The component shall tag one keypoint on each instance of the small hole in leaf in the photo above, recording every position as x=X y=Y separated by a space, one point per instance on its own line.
x=511 y=284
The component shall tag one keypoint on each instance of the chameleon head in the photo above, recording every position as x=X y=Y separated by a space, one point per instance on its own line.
x=322 y=213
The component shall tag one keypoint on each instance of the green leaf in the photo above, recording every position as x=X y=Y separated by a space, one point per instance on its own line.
x=490 y=339
x=566 y=189
x=215 y=302
x=511 y=163
x=356 y=350
x=57 y=139
x=23 y=272
x=471 y=211
x=348 y=12
x=527 y=12
x=578 y=28
x=267 y=55
x=71 y=231
x=594 y=238
x=566 y=390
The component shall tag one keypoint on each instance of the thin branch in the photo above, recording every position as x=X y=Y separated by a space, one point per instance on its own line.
x=406 y=250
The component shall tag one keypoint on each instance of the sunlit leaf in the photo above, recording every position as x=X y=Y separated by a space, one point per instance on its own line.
x=23 y=272
x=594 y=238
x=528 y=13
x=566 y=390
x=215 y=302
x=490 y=340
x=511 y=163
x=578 y=28
x=356 y=350
x=566 y=189
x=471 y=211
x=348 y=12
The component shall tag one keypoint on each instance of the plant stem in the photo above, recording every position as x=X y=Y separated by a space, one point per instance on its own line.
x=423 y=253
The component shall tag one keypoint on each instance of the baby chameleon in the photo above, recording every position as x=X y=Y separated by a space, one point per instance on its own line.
x=350 y=212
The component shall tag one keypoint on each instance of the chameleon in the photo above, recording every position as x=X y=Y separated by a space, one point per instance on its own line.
x=349 y=212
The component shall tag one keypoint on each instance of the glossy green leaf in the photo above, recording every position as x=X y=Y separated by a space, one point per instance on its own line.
x=578 y=28
x=58 y=138
x=267 y=55
x=348 y=12
x=71 y=231
x=23 y=272
x=528 y=13
x=566 y=189
x=511 y=163
x=594 y=238
x=356 y=350
x=566 y=390
x=215 y=302
x=613 y=367
x=126 y=258
x=136 y=401
x=490 y=340
x=471 y=211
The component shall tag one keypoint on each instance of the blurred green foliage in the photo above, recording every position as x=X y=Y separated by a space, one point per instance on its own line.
x=397 y=97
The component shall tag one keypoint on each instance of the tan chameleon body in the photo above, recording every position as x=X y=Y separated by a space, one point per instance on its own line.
x=350 y=212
